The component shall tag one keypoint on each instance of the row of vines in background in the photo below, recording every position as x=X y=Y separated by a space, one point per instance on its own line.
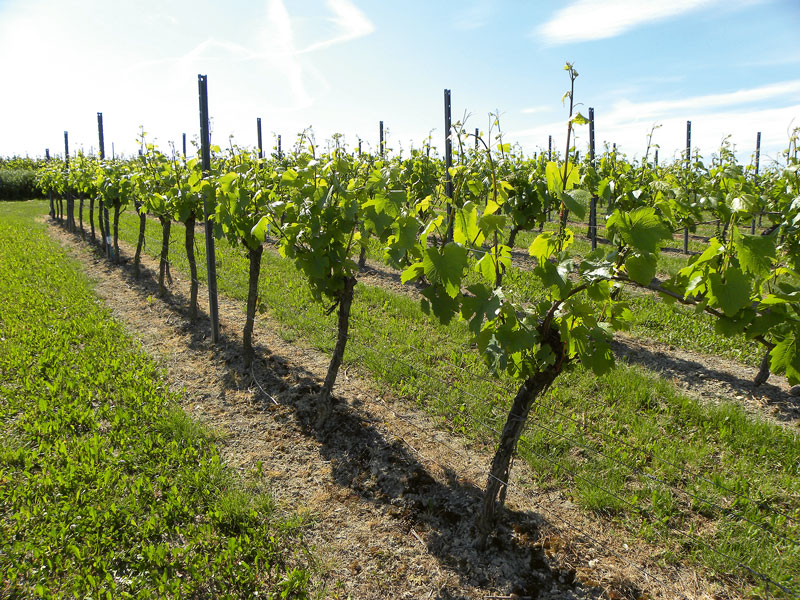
x=439 y=227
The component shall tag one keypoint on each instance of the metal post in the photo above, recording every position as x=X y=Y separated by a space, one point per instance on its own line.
x=66 y=189
x=50 y=191
x=280 y=152
x=359 y=148
x=477 y=133
x=758 y=157
x=549 y=158
x=448 y=163
x=593 y=203
x=103 y=208
x=184 y=145
x=381 y=139
x=688 y=164
x=656 y=161
x=260 y=146
x=758 y=150
x=211 y=264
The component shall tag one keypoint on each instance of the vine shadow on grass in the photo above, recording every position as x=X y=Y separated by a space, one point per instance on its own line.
x=786 y=408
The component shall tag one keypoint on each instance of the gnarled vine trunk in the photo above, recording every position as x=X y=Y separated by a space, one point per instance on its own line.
x=497 y=483
x=116 y=231
x=189 y=243
x=80 y=215
x=345 y=303
x=252 y=298
x=512 y=237
x=70 y=212
x=362 y=255
x=91 y=217
x=102 y=227
x=137 y=259
x=166 y=223
x=763 y=371
x=52 y=205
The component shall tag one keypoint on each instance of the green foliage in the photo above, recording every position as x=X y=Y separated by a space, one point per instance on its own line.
x=18 y=184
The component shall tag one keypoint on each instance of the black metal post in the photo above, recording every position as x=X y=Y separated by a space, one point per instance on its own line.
x=208 y=208
x=184 y=145
x=656 y=160
x=66 y=188
x=477 y=133
x=280 y=152
x=688 y=164
x=758 y=158
x=50 y=191
x=448 y=163
x=103 y=208
x=549 y=158
x=381 y=139
x=260 y=146
x=593 y=203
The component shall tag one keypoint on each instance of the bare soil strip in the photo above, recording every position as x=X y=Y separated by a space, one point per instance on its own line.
x=389 y=496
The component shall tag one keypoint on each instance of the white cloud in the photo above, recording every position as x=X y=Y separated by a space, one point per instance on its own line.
x=714 y=116
x=644 y=111
x=139 y=67
x=585 y=20
x=474 y=16
x=351 y=22
x=536 y=109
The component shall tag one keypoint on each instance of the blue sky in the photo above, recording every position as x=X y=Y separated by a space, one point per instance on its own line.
x=729 y=66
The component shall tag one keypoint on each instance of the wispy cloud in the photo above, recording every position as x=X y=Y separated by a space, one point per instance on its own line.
x=585 y=20
x=643 y=111
x=536 y=109
x=474 y=16
x=351 y=22
x=713 y=117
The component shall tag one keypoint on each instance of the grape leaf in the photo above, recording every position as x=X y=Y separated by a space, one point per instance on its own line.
x=755 y=252
x=785 y=358
x=641 y=268
x=465 y=229
x=576 y=201
x=437 y=300
x=731 y=295
x=640 y=228
x=446 y=267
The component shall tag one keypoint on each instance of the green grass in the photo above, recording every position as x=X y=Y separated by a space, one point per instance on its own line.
x=107 y=489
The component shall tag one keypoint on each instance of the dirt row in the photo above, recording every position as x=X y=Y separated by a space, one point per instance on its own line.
x=389 y=497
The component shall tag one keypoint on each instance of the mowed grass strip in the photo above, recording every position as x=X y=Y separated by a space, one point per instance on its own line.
x=704 y=482
x=107 y=489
